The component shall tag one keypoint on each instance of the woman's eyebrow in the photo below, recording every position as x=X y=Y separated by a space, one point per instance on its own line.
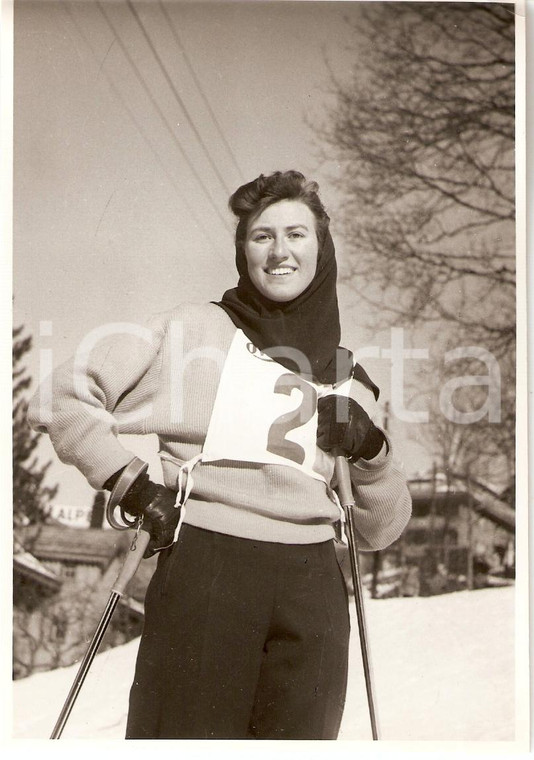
x=263 y=227
x=267 y=228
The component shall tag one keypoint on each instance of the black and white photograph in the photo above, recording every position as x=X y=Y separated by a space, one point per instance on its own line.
x=269 y=375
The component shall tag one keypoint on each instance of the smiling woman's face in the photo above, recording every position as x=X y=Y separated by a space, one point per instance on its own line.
x=281 y=250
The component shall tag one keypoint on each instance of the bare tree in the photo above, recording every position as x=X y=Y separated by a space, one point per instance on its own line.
x=52 y=629
x=423 y=135
x=31 y=497
x=471 y=436
x=52 y=632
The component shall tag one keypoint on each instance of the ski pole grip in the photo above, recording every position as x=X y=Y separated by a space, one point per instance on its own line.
x=344 y=482
x=132 y=562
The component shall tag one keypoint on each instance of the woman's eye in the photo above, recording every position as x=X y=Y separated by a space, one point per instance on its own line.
x=296 y=235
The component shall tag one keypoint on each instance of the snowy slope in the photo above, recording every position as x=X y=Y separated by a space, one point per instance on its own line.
x=443 y=669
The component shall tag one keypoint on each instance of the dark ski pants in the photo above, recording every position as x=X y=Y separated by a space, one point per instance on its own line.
x=242 y=640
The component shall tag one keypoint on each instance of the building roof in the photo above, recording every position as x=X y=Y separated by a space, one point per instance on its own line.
x=30 y=567
x=84 y=545
x=484 y=501
x=492 y=507
x=95 y=546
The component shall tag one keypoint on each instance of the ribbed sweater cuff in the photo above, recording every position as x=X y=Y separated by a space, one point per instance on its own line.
x=369 y=470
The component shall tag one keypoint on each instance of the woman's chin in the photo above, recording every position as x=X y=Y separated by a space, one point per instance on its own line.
x=281 y=291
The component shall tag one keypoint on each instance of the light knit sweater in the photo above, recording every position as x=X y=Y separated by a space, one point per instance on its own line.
x=96 y=397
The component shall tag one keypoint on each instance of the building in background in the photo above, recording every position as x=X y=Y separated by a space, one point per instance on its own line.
x=62 y=581
x=461 y=536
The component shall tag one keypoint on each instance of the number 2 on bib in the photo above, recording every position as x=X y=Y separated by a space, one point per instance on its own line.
x=277 y=443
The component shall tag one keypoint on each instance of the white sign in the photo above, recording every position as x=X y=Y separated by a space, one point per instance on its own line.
x=76 y=517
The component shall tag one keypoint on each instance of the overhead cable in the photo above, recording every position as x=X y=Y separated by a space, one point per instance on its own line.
x=163 y=117
x=177 y=95
x=187 y=60
x=117 y=92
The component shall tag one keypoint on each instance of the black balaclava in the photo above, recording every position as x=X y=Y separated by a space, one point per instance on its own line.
x=308 y=323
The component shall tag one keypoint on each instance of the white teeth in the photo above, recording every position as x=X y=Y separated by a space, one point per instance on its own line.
x=280 y=270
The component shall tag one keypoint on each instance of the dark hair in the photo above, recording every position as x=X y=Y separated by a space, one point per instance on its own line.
x=254 y=197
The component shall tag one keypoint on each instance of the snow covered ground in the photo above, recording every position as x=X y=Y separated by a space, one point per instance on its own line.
x=443 y=670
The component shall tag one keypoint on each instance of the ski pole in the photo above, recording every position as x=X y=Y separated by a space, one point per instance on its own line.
x=347 y=502
x=128 y=570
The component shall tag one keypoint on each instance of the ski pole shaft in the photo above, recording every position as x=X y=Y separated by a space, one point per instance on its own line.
x=347 y=502
x=84 y=666
x=128 y=570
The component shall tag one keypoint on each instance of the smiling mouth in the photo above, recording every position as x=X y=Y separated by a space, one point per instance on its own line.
x=279 y=271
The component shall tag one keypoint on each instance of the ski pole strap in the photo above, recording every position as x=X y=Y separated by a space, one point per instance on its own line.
x=131 y=472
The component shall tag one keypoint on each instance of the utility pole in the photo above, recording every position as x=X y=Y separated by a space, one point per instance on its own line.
x=446 y=523
x=430 y=566
x=377 y=559
x=432 y=520
x=470 y=578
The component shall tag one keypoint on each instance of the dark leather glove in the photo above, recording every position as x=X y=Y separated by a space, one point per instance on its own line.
x=344 y=427
x=155 y=503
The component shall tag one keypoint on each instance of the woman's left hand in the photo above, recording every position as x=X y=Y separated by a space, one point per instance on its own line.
x=344 y=427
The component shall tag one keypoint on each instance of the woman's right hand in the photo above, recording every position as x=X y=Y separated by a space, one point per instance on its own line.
x=155 y=504
x=160 y=517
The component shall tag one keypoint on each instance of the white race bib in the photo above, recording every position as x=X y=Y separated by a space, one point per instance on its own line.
x=264 y=413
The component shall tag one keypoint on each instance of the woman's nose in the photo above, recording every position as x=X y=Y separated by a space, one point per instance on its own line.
x=278 y=249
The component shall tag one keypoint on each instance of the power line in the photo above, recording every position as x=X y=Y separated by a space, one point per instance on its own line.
x=177 y=95
x=133 y=118
x=199 y=87
x=162 y=116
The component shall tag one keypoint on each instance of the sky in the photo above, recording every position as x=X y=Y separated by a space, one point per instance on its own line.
x=133 y=123
x=106 y=204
